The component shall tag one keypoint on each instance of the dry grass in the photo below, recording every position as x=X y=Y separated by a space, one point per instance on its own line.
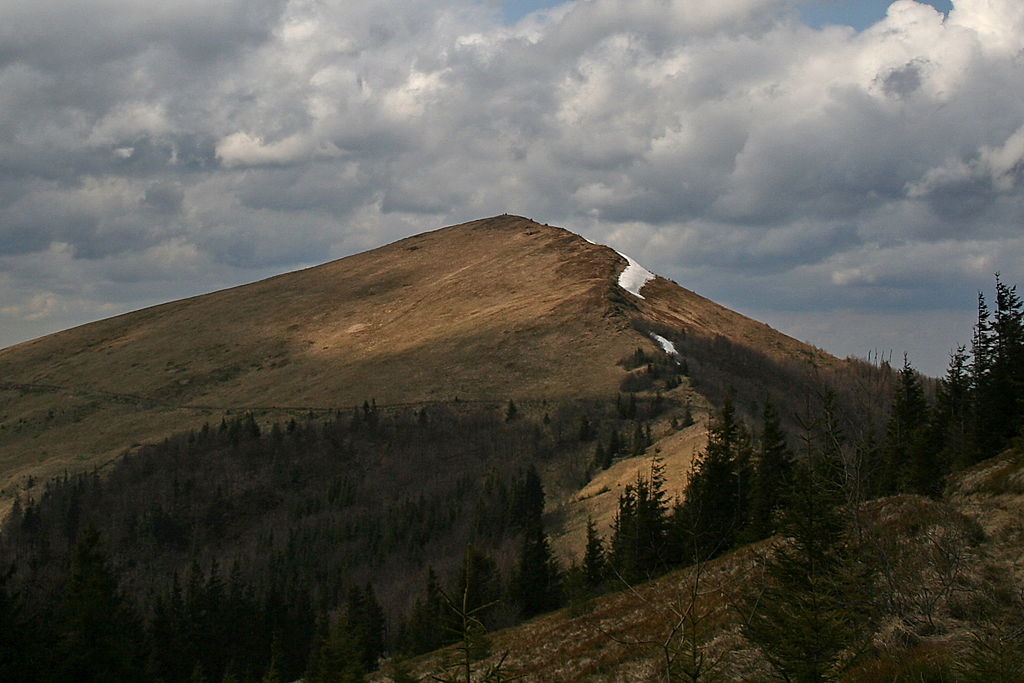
x=599 y=499
x=941 y=583
x=622 y=635
x=492 y=309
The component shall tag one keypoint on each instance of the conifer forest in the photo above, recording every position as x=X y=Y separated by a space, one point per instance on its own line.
x=320 y=547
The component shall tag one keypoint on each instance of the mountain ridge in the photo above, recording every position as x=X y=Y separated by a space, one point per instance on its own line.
x=494 y=309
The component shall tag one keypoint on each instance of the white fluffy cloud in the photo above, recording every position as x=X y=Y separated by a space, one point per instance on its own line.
x=726 y=144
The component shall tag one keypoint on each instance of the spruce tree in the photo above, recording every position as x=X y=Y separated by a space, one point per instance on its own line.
x=425 y=629
x=982 y=355
x=594 y=558
x=586 y=432
x=1005 y=386
x=714 y=510
x=772 y=473
x=365 y=622
x=639 y=547
x=99 y=632
x=813 y=615
x=535 y=584
x=911 y=456
x=527 y=499
x=952 y=422
x=479 y=584
x=18 y=635
x=337 y=654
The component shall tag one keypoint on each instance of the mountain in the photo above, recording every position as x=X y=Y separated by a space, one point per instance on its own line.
x=494 y=309
x=453 y=434
x=468 y=410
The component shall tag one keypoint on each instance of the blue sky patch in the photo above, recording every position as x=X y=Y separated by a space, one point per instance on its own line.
x=859 y=14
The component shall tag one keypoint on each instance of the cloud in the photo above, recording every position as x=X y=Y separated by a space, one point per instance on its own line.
x=995 y=170
x=726 y=144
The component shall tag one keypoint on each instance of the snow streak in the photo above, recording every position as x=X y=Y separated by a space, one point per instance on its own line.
x=634 y=277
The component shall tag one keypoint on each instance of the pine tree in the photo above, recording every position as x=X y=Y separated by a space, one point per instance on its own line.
x=813 y=616
x=365 y=622
x=772 y=473
x=536 y=581
x=714 y=511
x=594 y=558
x=952 y=418
x=639 y=548
x=99 y=633
x=910 y=455
x=424 y=631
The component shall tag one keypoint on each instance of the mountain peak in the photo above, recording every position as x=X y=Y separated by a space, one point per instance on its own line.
x=494 y=309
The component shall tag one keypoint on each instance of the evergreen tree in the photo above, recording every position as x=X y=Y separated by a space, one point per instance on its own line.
x=1005 y=385
x=952 y=418
x=586 y=432
x=274 y=672
x=536 y=581
x=424 y=631
x=714 y=511
x=479 y=584
x=594 y=558
x=365 y=623
x=602 y=457
x=18 y=636
x=639 y=548
x=527 y=499
x=337 y=656
x=99 y=633
x=172 y=656
x=813 y=616
x=639 y=439
x=773 y=469
x=910 y=455
x=982 y=359
x=981 y=345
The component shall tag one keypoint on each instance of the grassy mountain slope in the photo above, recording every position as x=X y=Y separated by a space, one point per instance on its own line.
x=493 y=309
x=947 y=597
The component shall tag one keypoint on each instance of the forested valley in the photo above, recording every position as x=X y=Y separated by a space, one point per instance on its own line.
x=316 y=547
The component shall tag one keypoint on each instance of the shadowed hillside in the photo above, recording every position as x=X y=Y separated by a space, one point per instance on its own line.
x=492 y=309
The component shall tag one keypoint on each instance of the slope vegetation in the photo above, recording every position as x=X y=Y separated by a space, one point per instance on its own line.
x=490 y=310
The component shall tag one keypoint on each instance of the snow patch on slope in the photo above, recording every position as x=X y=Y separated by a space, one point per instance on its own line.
x=634 y=277
x=665 y=344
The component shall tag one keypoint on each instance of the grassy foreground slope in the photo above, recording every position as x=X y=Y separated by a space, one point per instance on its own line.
x=947 y=601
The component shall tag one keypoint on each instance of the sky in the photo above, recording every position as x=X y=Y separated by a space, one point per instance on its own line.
x=848 y=172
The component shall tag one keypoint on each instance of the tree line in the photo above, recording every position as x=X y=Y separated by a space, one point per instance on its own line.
x=262 y=533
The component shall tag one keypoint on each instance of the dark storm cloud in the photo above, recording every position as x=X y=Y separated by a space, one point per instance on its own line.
x=164 y=197
x=63 y=35
x=903 y=81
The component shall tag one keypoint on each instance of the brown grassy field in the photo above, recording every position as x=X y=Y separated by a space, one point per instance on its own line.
x=948 y=580
x=495 y=309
